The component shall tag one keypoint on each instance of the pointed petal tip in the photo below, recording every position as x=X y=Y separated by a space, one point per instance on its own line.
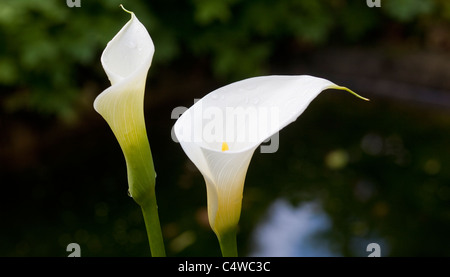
x=351 y=91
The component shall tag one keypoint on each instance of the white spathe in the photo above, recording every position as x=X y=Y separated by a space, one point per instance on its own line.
x=260 y=105
x=126 y=61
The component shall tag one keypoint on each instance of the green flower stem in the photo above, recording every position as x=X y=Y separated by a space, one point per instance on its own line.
x=151 y=218
x=228 y=244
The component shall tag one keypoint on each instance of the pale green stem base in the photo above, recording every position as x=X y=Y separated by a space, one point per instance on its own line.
x=151 y=218
x=228 y=244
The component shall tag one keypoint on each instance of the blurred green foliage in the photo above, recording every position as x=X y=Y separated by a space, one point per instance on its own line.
x=50 y=52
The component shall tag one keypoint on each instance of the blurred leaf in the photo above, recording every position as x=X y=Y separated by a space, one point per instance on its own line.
x=407 y=10
x=8 y=71
x=47 y=46
x=207 y=11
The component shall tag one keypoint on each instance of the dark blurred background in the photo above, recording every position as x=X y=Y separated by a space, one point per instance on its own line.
x=347 y=172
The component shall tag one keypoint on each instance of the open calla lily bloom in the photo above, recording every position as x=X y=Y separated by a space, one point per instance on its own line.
x=220 y=133
x=126 y=61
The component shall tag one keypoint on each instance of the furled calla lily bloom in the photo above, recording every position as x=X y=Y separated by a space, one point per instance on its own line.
x=220 y=133
x=126 y=61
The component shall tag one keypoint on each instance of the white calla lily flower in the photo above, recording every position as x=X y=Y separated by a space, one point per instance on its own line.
x=126 y=61
x=221 y=131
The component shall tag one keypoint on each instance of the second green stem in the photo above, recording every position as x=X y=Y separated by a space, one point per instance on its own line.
x=153 y=226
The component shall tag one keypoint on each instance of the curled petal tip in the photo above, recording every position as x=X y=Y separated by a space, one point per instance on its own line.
x=123 y=8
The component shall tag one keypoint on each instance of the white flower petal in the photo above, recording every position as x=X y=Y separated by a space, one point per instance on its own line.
x=284 y=98
x=225 y=186
x=129 y=52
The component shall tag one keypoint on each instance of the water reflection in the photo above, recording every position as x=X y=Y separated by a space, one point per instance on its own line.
x=293 y=231
x=290 y=231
